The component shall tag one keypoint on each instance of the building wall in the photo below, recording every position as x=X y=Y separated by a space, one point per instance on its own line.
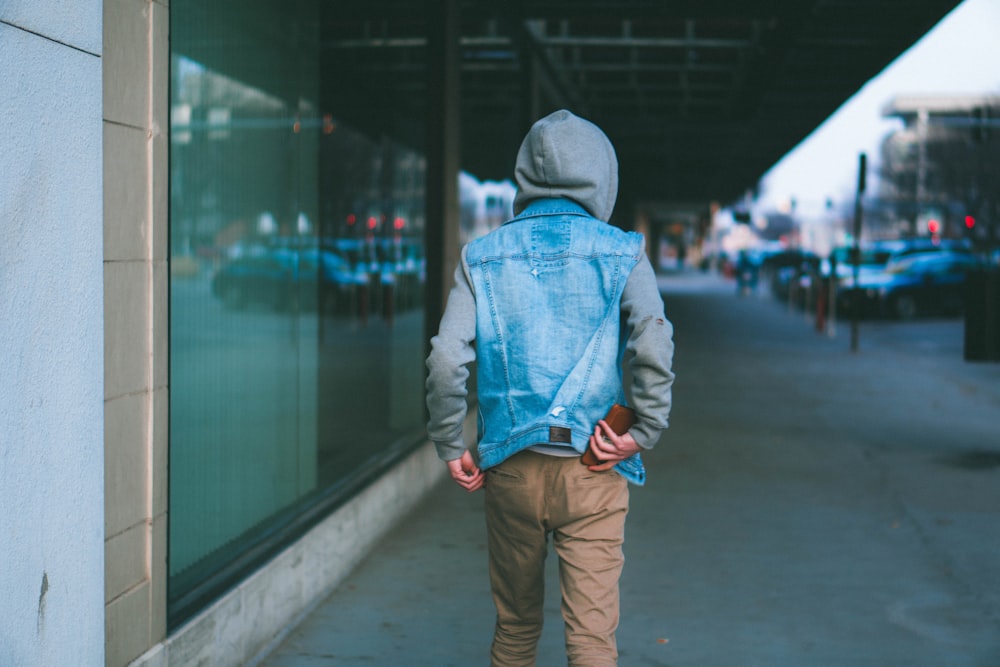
x=84 y=371
x=135 y=87
x=52 y=331
x=245 y=622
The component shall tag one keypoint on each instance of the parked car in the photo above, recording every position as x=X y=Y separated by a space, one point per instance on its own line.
x=931 y=283
x=926 y=246
x=872 y=257
x=789 y=271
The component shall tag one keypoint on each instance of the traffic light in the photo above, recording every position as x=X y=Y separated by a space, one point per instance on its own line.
x=933 y=226
x=970 y=222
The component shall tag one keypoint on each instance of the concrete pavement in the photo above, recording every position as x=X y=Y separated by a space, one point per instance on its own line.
x=809 y=506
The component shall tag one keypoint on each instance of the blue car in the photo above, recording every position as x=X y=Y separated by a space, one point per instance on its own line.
x=924 y=284
x=289 y=278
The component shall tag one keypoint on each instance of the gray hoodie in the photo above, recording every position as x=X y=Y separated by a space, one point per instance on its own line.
x=566 y=156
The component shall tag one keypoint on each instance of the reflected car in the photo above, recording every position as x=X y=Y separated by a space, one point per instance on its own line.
x=924 y=284
x=268 y=279
x=286 y=278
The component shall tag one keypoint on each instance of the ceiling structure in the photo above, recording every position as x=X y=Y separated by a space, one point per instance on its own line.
x=700 y=98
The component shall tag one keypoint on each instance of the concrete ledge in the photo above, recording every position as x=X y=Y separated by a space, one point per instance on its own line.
x=246 y=623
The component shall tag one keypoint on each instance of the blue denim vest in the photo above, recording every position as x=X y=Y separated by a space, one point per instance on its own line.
x=549 y=338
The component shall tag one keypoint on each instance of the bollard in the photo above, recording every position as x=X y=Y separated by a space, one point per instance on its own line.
x=831 y=329
x=821 y=296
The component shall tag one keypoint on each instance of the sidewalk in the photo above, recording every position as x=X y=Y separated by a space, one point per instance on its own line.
x=809 y=506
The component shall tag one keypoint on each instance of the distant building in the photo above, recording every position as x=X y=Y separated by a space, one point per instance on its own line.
x=939 y=173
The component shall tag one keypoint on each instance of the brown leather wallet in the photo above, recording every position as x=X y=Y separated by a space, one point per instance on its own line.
x=620 y=419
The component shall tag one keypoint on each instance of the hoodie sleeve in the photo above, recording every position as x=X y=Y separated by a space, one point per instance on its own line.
x=451 y=353
x=649 y=353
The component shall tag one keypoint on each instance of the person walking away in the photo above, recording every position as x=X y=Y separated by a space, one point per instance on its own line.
x=550 y=305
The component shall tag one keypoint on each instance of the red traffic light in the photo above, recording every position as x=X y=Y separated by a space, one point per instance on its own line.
x=933 y=226
x=970 y=222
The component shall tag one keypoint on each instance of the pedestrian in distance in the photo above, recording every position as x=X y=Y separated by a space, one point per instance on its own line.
x=552 y=306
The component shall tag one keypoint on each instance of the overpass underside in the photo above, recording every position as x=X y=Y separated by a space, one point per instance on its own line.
x=700 y=98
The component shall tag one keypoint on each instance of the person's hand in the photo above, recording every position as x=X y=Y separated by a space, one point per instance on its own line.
x=610 y=447
x=466 y=473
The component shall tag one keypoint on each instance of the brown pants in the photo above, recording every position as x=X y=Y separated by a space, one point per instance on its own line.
x=528 y=497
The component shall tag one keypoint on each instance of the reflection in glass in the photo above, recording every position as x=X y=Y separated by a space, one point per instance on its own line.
x=297 y=283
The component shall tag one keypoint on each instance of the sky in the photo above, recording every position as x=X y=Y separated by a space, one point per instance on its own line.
x=959 y=56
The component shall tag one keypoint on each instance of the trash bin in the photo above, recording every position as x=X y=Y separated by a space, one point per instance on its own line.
x=982 y=315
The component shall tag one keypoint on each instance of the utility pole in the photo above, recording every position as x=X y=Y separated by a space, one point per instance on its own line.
x=856 y=254
x=921 y=189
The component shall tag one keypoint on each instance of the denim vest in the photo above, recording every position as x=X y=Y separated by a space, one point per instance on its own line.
x=549 y=337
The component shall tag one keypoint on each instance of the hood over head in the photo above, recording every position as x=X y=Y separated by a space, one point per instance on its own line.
x=566 y=156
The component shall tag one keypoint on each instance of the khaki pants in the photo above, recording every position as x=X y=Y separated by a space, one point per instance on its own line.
x=528 y=497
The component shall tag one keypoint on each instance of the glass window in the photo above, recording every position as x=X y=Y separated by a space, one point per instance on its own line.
x=297 y=280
